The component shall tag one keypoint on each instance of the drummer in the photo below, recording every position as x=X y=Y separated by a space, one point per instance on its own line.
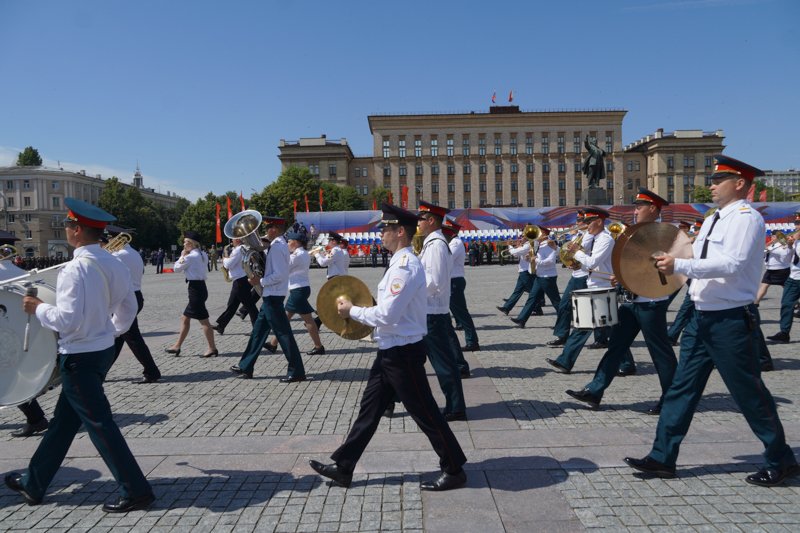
x=94 y=303
x=595 y=259
x=646 y=314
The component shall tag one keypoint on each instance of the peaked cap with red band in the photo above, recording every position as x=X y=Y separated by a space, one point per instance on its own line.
x=725 y=166
x=273 y=221
x=426 y=207
x=335 y=237
x=650 y=197
x=594 y=212
x=545 y=231
x=449 y=225
x=86 y=214
x=684 y=223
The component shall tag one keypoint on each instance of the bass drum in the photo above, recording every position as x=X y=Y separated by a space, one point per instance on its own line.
x=24 y=375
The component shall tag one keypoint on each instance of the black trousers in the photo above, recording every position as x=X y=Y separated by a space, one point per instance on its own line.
x=400 y=370
x=137 y=345
x=241 y=294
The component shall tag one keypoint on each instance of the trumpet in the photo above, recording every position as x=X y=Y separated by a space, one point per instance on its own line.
x=319 y=249
x=117 y=243
x=7 y=252
x=558 y=234
x=780 y=236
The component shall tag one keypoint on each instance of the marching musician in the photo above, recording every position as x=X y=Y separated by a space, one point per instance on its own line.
x=544 y=281
x=400 y=324
x=133 y=337
x=272 y=316
x=94 y=302
x=725 y=273
x=192 y=263
x=594 y=257
x=684 y=311
x=778 y=260
x=337 y=260
x=524 y=276
x=458 y=284
x=299 y=291
x=791 y=288
x=648 y=315
x=241 y=290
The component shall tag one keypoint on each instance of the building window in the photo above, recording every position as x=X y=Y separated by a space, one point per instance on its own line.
x=467 y=204
x=467 y=169
x=609 y=166
x=331 y=170
x=481 y=146
x=9 y=185
x=402 y=170
x=498 y=186
x=670 y=162
x=686 y=197
x=562 y=168
x=56 y=185
x=26 y=201
x=28 y=234
x=465 y=146
x=670 y=197
x=498 y=146
x=562 y=185
x=26 y=184
x=401 y=148
x=12 y=218
x=10 y=201
x=513 y=146
x=514 y=186
x=418 y=170
x=576 y=144
x=530 y=202
x=545 y=168
x=686 y=180
x=451 y=170
x=529 y=185
x=57 y=234
x=451 y=204
x=450 y=148
x=546 y=202
x=364 y=172
x=545 y=145
x=498 y=169
x=529 y=168
x=434 y=147
x=709 y=161
x=708 y=182
x=312 y=169
x=358 y=172
x=578 y=167
x=670 y=181
x=467 y=187
x=562 y=202
x=387 y=171
x=609 y=144
x=434 y=170
x=451 y=187
x=610 y=184
x=417 y=147
x=482 y=168
x=56 y=202
x=529 y=145
x=482 y=186
x=578 y=184
x=27 y=217
x=435 y=187
x=514 y=168
x=386 y=149
x=688 y=161
x=560 y=144
x=546 y=185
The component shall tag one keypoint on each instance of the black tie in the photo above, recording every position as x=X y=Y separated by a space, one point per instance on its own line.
x=796 y=258
x=766 y=257
x=705 y=244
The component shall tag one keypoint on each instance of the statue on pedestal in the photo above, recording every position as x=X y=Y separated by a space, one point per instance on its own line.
x=593 y=167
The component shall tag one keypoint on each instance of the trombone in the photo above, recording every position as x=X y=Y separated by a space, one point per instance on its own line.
x=530 y=233
x=780 y=236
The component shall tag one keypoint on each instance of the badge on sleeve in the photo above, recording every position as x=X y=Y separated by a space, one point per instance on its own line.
x=396 y=286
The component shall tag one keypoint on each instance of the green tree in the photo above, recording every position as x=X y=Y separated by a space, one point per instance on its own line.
x=774 y=194
x=380 y=195
x=702 y=194
x=294 y=183
x=341 y=198
x=29 y=157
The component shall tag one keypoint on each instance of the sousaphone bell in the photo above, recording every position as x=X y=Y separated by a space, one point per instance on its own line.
x=244 y=226
x=352 y=289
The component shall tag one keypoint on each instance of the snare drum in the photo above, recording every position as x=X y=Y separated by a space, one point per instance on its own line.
x=594 y=308
x=24 y=375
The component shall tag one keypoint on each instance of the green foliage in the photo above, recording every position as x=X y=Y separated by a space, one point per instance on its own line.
x=341 y=198
x=774 y=194
x=201 y=217
x=380 y=195
x=702 y=195
x=29 y=157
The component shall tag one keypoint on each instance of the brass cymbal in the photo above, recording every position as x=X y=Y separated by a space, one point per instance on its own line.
x=354 y=290
x=633 y=263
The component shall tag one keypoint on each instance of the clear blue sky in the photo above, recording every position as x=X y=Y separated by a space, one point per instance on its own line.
x=200 y=92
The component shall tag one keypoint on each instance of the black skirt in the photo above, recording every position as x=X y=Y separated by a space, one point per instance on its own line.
x=198 y=294
x=298 y=301
x=775 y=277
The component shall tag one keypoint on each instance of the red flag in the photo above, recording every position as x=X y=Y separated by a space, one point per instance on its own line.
x=320 y=199
x=751 y=193
x=241 y=199
x=763 y=196
x=374 y=204
x=511 y=95
x=306 y=197
x=219 y=233
x=295 y=207
x=230 y=213
x=404 y=197
x=494 y=97
x=389 y=198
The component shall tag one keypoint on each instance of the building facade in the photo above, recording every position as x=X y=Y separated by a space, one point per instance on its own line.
x=508 y=157
x=32 y=203
x=787 y=181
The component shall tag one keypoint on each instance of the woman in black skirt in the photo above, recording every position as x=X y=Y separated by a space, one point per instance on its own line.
x=192 y=263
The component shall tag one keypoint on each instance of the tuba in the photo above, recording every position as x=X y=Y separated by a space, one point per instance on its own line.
x=244 y=226
x=117 y=243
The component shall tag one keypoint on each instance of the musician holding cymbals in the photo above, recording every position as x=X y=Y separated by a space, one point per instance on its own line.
x=725 y=272
x=94 y=303
x=400 y=322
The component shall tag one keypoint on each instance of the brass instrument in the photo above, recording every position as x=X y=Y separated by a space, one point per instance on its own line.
x=531 y=234
x=117 y=242
x=244 y=226
x=558 y=234
x=616 y=229
x=417 y=241
x=7 y=252
x=349 y=288
x=226 y=252
x=780 y=236
x=567 y=252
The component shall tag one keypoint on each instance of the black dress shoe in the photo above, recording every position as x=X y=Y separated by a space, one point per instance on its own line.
x=270 y=348
x=769 y=477
x=558 y=366
x=126 y=505
x=586 y=397
x=675 y=342
x=316 y=351
x=333 y=472
x=538 y=313
x=502 y=310
x=518 y=322
x=445 y=482
x=630 y=372
x=242 y=374
x=767 y=367
x=560 y=341
x=471 y=348
x=465 y=374
x=597 y=346
x=219 y=329
x=781 y=336
x=460 y=416
x=31 y=429
x=389 y=411
x=655 y=410
x=293 y=379
x=212 y=353
x=242 y=314
x=174 y=351
x=651 y=466
x=148 y=379
x=14 y=482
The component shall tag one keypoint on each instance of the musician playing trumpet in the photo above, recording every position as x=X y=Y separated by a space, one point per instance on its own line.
x=778 y=258
x=521 y=249
x=544 y=279
x=336 y=259
x=791 y=289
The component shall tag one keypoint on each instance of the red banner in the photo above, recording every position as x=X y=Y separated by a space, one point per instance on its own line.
x=320 y=199
x=230 y=213
x=404 y=197
x=219 y=232
x=374 y=204
x=241 y=199
x=511 y=95
x=306 y=197
x=763 y=196
x=494 y=97
x=295 y=207
x=389 y=198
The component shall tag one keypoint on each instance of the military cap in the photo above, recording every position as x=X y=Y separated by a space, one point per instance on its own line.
x=545 y=231
x=335 y=236
x=393 y=214
x=87 y=214
x=727 y=166
x=684 y=224
x=193 y=235
x=295 y=236
x=596 y=212
x=646 y=196
x=427 y=207
x=450 y=226
x=273 y=221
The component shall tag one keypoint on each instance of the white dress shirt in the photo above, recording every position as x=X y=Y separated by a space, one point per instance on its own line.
x=730 y=274
x=299 y=263
x=586 y=243
x=435 y=258
x=400 y=316
x=546 y=261
x=133 y=261
x=336 y=261
x=522 y=253
x=598 y=259
x=234 y=263
x=780 y=256
x=457 y=249
x=794 y=270
x=193 y=266
x=94 y=302
x=276 y=269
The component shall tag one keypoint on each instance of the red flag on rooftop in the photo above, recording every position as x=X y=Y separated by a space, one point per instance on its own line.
x=230 y=213
x=494 y=97
x=511 y=95
x=219 y=233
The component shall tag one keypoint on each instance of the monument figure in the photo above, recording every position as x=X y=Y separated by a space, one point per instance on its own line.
x=593 y=167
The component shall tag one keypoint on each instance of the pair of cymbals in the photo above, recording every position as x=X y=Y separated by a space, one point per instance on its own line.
x=352 y=289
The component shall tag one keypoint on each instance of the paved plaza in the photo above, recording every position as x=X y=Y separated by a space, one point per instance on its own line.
x=225 y=454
